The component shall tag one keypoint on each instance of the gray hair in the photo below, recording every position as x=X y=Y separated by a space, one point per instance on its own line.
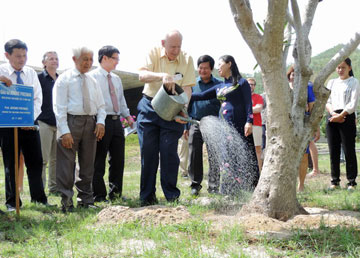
x=48 y=52
x=81 y=50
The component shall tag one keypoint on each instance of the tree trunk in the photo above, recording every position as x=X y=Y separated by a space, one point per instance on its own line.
x=275 y=195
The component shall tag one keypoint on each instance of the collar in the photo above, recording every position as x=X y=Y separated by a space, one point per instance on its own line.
x=212 y=79
x=46 y=74
x=12 y=70
x=103 y=71
x=163 y=55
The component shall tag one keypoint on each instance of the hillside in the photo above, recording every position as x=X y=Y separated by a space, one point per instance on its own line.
x=317 y=63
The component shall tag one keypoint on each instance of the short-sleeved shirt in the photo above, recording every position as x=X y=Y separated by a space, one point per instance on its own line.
x=257 y=99
x=47 y=84
x=158 y=62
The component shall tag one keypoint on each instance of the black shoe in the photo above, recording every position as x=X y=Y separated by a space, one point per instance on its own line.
x=10 y=208
x=148 y=202
x=65 y=209
x=195 y=191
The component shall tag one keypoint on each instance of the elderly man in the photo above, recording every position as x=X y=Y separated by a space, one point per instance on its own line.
x=114 y=140
x=15 y=72
x=155 y=134
x=80 y=113
x=46 y=119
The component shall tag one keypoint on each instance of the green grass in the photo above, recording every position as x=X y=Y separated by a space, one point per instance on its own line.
x=46 y=232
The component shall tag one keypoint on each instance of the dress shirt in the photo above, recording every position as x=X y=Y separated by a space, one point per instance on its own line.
x=344 y=94
x=158 y=62
x=100 y=76
x=67 y=99
x=30 y=78
x=47 y=83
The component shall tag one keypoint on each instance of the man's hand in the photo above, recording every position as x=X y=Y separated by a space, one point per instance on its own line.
x=169 y=83
x=186 y=134
x=248 y=129
x=6 y=80
x=179 y=120
x=99 y=131
x=130 y=121
x=67 y=140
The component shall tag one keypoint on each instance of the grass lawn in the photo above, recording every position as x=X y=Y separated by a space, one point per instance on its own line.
x=47 y=232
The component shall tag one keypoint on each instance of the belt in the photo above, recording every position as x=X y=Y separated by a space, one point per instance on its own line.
x=113 y=117
x=147 y=97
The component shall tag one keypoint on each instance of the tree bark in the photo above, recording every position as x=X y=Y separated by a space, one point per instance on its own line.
x=288 y=129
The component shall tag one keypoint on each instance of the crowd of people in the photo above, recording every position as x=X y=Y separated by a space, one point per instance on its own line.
x=79 y=118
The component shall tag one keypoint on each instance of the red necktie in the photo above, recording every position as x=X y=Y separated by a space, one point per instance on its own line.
x=113 y=94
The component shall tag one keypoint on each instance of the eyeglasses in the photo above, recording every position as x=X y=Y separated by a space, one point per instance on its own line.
x=115 y=58
x=252 y=84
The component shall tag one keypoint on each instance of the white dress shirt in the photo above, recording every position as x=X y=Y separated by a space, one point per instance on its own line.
x=68 y=99
x=344 y=94
x=30 y=78
x=100 y=76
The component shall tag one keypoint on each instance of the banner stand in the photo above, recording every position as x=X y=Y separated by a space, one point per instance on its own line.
x=17 y=193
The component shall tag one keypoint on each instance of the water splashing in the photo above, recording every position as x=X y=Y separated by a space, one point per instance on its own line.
x=238 y=165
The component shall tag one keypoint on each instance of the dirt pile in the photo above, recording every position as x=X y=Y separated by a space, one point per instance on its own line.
x=151 y=215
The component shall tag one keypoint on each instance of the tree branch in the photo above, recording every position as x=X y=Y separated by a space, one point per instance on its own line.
x=300 y=42
x=336 y=60
x=274 y=27
x=243 y=18
x=309 y=16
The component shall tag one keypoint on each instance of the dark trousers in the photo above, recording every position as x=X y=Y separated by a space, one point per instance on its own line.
x=157 y=136
x=114 y=143
x=342 y=134
x=82 y=130
x=196 y=161
x=29 y=143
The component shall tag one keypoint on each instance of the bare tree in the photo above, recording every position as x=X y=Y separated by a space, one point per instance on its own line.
x=288 y=128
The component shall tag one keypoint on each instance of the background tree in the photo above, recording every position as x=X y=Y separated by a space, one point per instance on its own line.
x=288 y=129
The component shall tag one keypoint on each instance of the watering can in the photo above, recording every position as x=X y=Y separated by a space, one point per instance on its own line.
x=168 y=105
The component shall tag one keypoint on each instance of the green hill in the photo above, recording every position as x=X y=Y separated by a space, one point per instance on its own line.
x=319 y=61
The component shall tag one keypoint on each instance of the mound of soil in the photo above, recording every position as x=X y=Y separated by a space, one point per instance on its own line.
x=254 y=224
x=150 y=215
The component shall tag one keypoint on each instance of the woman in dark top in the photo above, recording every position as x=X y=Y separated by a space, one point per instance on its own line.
x=236 y=109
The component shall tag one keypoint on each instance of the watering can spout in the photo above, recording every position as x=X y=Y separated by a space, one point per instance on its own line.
x=188 y=119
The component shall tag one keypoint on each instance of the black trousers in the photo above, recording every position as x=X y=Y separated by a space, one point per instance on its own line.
x=342 y=134
x=29 y=143
x=114 y=143
x=196 y=161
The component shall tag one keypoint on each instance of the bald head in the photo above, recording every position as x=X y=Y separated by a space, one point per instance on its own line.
x=172 y=44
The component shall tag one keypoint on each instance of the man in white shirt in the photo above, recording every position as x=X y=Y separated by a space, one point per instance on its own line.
x=114 y=140
x=77 y=99
x=15 y=72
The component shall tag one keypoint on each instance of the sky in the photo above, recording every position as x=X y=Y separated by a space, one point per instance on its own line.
x=136 y=26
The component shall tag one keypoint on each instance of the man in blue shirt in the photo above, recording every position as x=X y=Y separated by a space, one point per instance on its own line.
x=198 y=110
